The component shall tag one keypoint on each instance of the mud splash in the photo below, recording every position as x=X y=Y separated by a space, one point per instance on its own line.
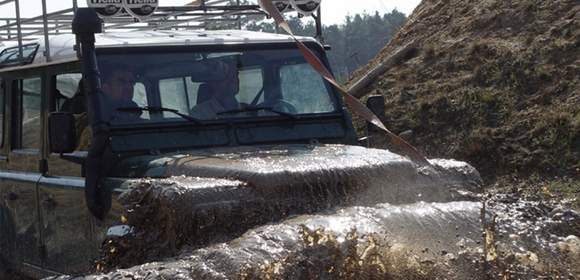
x=351 y=243
x=532 y=237
x=260 y=186
x=186 y=227
x=530 y=240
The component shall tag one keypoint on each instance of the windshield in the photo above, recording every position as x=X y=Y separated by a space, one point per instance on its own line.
x=198 y=86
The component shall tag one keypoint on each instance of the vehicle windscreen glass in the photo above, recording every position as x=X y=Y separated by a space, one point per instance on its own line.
x=200 y=86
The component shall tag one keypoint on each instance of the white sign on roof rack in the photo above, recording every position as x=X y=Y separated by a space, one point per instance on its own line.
x=106 y=8
x=282 y=5
x=140 y=8
x=305 y=7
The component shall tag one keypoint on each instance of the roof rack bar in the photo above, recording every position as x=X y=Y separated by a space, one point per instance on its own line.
x=239 y=19
x=18 y=30
x=62 y=15
x=39 y=32
x=24 y=28
x=45 y=27
x=20 y=21
x=197 y=15
x=189 y=17
x=8 y=30
x=200 y=18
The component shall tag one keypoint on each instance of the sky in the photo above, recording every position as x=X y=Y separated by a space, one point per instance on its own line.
x=333 y=11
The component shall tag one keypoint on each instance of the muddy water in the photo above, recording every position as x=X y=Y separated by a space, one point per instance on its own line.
x=267 y=185
x=336 y=245
x=532 y=240
x=534 y=237
x=330 y=212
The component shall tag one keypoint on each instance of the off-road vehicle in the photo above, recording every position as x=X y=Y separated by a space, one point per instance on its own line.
x=287 y=147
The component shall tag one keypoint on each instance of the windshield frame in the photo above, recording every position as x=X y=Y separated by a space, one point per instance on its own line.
x=316 y=47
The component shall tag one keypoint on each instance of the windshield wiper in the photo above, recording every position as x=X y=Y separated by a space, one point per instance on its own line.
x=255 y=109
x=159 y=110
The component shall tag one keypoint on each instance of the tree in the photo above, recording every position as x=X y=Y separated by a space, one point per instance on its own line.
x=354 y=43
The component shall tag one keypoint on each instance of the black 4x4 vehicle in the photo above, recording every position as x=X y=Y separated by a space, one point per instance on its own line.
x=242 y=107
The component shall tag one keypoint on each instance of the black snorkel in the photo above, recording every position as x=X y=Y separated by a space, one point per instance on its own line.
x=86 y=24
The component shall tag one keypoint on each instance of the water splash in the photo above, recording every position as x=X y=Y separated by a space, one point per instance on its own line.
x=347 y=242
x=221 y=195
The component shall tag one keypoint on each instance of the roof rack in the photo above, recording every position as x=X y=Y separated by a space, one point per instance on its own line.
x=198 y=15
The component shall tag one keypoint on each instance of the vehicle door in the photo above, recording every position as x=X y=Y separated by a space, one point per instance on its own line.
x=66 y=223
x=19 y=172
x=72 y=236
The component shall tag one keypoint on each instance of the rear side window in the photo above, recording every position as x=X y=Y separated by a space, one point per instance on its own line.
x=11 y=56
x=29 y=90
x=67 y=93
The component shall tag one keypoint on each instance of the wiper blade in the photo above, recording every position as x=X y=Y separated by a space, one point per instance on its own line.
x=159 y=110
x=258 y=108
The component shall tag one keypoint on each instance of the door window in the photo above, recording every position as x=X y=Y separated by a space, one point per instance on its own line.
x=30 y=119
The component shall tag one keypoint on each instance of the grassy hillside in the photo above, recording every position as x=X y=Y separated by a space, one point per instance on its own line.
x=495 y=83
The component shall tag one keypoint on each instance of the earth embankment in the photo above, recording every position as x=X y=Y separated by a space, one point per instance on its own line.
x=495 y=83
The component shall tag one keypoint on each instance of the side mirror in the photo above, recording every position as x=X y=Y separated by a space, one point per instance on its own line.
x=376 y=104
x=62 y=132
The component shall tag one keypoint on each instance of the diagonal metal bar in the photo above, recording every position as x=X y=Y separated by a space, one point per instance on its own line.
x=27 y=20
x=6 y=2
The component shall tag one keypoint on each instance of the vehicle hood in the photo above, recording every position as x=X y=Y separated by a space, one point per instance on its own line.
x=279 y=168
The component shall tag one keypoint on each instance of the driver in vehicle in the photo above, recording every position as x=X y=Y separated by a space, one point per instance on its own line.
x=222 y=93
x=117 y=89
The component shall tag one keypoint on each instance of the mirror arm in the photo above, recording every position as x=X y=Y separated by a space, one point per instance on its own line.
x=74 y=158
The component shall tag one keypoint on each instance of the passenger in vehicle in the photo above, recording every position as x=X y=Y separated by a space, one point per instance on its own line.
x=222 y=93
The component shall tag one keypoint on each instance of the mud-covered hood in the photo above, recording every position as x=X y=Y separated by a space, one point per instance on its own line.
x=219 y=194
x=271 y=166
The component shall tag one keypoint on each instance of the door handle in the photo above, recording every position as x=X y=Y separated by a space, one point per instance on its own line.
x=49 y=202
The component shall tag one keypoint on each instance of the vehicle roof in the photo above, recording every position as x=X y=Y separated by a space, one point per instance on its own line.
x=62 y=46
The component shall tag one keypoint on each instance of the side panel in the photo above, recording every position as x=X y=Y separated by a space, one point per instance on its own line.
x=72 y=237
x=20 y=237
x=66 y=225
